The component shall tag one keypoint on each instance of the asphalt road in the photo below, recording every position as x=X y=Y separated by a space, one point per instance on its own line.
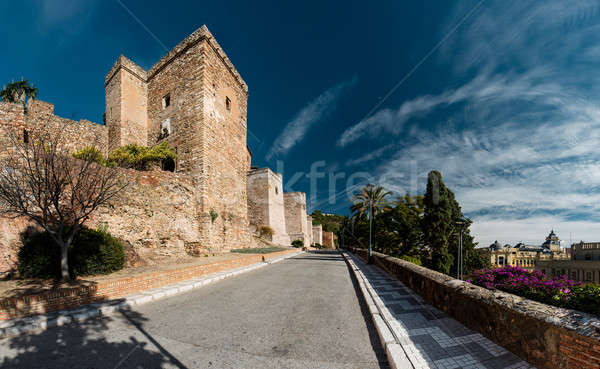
x=299 y=313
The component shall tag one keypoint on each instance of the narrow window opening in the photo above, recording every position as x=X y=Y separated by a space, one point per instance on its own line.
x=25 y=136
x=165 y=129
x=166 y=101
x=276 y=191
x=227 y=103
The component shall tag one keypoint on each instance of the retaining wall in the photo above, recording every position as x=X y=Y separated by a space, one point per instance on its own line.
x=545 y=336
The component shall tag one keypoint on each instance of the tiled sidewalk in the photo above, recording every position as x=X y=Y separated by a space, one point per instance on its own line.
x=429 y=337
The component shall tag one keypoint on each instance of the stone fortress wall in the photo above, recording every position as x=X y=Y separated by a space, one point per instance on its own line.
x=317 y=234
x=295 y=216
x=193 y=98
x=75 y=135
x=309 y=234
x=284 y=212
x=329 y=240
x=265 y=203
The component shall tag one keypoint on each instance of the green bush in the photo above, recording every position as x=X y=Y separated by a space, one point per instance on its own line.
x=39 y=257
x=298 y=243
x=91 y=154
x=92 y=252
x=141 y=157
x=130 y=156
x=318 y=246
x=412 y=259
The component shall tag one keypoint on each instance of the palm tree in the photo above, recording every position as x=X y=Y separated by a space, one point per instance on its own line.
x=18 y=92
x=371 y=200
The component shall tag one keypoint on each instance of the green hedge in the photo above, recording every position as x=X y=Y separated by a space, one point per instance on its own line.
x=92 y=252
x=298 y=243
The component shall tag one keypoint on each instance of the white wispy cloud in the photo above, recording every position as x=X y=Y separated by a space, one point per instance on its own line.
x=57 y=11
x=315 y=111
x=496 y=88
x=518 y=142
x=369 y=156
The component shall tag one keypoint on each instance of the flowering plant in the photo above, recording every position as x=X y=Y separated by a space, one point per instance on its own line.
x=558 y=291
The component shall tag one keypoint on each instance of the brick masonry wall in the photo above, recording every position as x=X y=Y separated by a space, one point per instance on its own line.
x=545 y=336
x=70 y=297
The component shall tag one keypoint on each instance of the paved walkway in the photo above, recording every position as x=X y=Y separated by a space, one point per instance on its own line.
x=302 y=312
x=429 y=337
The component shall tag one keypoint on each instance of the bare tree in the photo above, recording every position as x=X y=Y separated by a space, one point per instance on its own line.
x=40 y=180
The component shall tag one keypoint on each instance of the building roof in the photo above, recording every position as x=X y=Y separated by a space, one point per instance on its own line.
x=496 y=246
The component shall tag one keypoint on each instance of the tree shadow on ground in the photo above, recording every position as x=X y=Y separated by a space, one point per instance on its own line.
x=88 y=344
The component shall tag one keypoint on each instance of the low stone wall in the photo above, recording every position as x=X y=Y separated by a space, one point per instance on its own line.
x=545 y=336
x=70 y=297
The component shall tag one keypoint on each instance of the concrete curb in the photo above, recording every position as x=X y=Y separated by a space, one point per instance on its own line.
x=55 y=319
x=381 y=317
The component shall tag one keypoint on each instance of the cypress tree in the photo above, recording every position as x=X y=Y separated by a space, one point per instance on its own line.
x=441 y=232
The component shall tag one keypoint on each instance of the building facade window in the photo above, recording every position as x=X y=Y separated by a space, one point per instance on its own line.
x=227 y=103
x=166 y=101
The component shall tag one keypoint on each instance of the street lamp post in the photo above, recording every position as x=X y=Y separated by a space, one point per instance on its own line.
x=461 y=222
x=370 y=261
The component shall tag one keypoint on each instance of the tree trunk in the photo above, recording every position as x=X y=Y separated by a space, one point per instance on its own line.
x=64 y=262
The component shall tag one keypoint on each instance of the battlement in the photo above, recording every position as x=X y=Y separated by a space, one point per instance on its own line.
x=128 y=65
x=197 y=36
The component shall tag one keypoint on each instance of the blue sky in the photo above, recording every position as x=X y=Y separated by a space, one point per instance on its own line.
x=500 y=96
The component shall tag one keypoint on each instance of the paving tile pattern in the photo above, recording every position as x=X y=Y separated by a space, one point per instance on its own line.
x=429 y=337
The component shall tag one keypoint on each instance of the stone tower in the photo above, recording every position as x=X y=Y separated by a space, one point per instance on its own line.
x=296 y=217
x=265 y=203
x=194 y=99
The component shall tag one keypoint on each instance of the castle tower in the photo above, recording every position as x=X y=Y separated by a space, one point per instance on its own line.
x=309 y=233
x=317 y=232
x=126 y=114
x=194 y=99
x=265 y=203
x=296 y=217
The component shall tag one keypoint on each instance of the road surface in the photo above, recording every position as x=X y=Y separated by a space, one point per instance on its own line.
x=302 y=312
